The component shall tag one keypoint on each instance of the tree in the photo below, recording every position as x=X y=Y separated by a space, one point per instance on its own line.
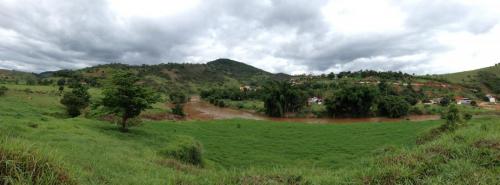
x=352 y=100
x=76 y=100
x=393 y=107
x=282 y=97
x=445 y=101
x=61 y=82
x=178 y=99
x=126 y=97
x=410 y=95
x=3 y=90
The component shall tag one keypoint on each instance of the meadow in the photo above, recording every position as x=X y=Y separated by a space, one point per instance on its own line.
x=246 y=151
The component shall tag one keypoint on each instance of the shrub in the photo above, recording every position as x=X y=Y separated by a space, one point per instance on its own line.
x=3 y=90
x=453 y=118
x=76 y=100
x=185 y=149
x=20 y=166
x=467 y=116
x=178 y=110
x=221 y=103
x=28 y=91
x=473 y=103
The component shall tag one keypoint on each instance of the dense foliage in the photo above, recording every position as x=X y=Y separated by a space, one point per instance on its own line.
x=352 y=100
x=393 y=106
x=76 y=100
x=126 y=97
x=281 y=98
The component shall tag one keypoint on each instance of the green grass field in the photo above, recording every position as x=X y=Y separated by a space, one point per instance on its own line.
x=236 y=151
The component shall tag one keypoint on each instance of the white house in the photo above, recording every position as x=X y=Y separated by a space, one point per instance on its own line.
x=464 y=101
x=491 y=98
x=315 y=100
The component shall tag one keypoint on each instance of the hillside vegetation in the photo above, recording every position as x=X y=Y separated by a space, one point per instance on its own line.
x=87 y=151
x=485 y=78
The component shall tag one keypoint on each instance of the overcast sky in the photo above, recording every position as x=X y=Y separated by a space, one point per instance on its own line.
x=291 y=36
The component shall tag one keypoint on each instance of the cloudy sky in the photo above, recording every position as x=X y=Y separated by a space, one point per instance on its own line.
x=292 y=36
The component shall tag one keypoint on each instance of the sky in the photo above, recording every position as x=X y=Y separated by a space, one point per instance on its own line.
x=290 y=36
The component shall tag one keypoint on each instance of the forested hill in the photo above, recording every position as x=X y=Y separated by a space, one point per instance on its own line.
x=175 y=75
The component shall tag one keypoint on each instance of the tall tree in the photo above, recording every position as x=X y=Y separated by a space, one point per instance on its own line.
x=126 y=97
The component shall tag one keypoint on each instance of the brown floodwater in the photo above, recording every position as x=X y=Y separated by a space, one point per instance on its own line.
x=196 y=109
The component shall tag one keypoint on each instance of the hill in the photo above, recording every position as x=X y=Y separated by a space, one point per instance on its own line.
x=487 y=79
x=11 y=76
x=187 y=77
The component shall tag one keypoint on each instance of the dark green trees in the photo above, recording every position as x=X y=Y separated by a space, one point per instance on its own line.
x=352 y=100
x=126 y=97
x=393 y=106
x=282 y=97
x=61 y=82
x=76 y=100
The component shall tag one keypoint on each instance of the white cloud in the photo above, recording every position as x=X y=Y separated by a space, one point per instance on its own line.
x=292 y=36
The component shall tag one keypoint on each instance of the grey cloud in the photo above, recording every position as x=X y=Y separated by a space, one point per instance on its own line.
x=56 y=34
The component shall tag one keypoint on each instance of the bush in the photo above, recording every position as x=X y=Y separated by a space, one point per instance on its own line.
x=3 y=90
x=467 y=116
x=178 y=110
x=76 y=100
x=185 y=149
x=453 y=118
x=20 y=166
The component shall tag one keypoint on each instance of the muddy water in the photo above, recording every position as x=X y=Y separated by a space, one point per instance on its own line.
x=197 y=109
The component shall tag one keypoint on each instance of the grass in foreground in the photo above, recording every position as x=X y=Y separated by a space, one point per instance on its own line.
x=252 y=152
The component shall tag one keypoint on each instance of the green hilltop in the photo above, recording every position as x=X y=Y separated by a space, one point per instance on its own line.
x=487 y=79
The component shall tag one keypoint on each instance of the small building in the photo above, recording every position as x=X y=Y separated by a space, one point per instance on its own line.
x=491 y=98
x=246 y=88
x=315 y=100
x=463 y=101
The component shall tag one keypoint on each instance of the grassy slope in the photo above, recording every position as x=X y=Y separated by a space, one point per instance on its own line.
x=470 y=76
x=95 y=153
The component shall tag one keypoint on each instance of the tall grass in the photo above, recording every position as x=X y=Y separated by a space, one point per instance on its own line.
x=21 y=165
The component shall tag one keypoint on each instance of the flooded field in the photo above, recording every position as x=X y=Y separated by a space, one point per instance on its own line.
x=197 y=109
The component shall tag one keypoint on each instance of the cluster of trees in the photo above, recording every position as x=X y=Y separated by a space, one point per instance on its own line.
x=282 y=97
x=124 y=96
x=217 y=95
x=358 y=100
x=389 y=75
